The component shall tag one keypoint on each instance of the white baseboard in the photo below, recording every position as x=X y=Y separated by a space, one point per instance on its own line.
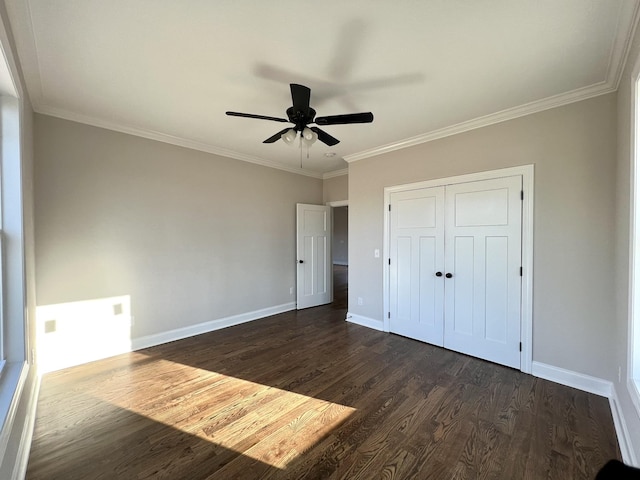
x=365 y=321
x=597 y=386
x=622 y=432
x=192 y=330
x=24 y=449
x=572 y=379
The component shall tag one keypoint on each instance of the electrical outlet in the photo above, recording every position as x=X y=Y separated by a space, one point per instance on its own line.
x=290 y=290
x=360 y=301
x=50 y=326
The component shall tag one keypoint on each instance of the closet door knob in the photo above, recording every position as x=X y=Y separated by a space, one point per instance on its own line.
x=438 y=274
x=300 y=261
x=449 y=275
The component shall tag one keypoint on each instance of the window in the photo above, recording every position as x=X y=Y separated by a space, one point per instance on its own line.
x=13 y=332
x=633 y=367
x=2 y=282
x=13 y=316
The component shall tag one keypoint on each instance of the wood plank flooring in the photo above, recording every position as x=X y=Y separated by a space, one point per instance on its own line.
x=308 y=395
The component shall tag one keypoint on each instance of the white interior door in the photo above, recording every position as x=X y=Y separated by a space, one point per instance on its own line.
x=313 y=245
x=416 y=256
x=483 y=256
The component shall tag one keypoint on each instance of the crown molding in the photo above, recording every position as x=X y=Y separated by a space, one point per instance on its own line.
x=336 y=173
x=628 y=19
x=170 y=139
x=486 y=120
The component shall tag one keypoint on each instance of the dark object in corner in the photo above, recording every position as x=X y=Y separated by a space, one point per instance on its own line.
x=615 y=469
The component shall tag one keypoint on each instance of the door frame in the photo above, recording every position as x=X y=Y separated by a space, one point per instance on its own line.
x=526 y=307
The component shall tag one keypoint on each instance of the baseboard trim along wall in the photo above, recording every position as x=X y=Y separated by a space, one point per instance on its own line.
x=597 y=386
x=180 y=333
x=22 y=460
x=365 y=321
x=622 y=432
x=572 y=379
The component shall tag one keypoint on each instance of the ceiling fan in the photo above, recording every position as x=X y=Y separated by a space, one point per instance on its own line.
x=302 y=115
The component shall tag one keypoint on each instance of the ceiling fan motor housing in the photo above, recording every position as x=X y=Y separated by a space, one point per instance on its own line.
x=300 y=118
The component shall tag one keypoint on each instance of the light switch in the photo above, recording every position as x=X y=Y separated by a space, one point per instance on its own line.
x=376 y=253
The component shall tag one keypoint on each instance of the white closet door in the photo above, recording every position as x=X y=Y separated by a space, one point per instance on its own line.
x=483 y=255
x=416 y=255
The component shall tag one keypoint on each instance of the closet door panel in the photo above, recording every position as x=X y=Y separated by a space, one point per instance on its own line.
x=483 y=257
x=416 y=254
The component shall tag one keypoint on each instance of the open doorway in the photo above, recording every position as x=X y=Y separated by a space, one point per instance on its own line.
x=340 y=256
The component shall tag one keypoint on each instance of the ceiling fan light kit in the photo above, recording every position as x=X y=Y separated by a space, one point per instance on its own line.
x=289 y=136
x=302 y=115
x=309 y=136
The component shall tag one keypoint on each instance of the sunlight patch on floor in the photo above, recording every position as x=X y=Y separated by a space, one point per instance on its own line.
x=266 y=423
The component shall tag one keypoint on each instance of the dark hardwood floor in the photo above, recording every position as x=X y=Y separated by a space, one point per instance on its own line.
x=308 y=395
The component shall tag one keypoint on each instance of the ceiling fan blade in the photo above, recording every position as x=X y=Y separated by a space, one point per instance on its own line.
x=324 y=137
x=277 y=136
x=365 y=117
x=259 y=117
x=301 y=97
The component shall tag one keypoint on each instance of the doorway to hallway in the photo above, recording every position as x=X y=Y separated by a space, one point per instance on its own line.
x=340 y=287
x=340 y=256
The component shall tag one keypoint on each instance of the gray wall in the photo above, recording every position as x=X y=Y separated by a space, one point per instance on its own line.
x=190 y=237
x=341 y=236
x=574 y=152
x=335 y=189
x=619 y=351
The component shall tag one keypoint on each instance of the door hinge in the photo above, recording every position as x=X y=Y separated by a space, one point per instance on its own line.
x=389 y=207
x=520 y=271
x=388 y=314
x=520 y=346
x=389 y=261
x=521 y=194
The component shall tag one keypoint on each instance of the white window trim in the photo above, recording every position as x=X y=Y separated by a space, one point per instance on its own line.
x=14 y=338
x=2 y=290
x=16 y=367
x=633 y=352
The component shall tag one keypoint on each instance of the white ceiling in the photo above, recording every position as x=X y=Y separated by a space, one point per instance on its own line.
x=169 y=70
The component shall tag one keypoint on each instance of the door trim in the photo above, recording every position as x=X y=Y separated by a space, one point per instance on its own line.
x=526 y=307
x=338 y=203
